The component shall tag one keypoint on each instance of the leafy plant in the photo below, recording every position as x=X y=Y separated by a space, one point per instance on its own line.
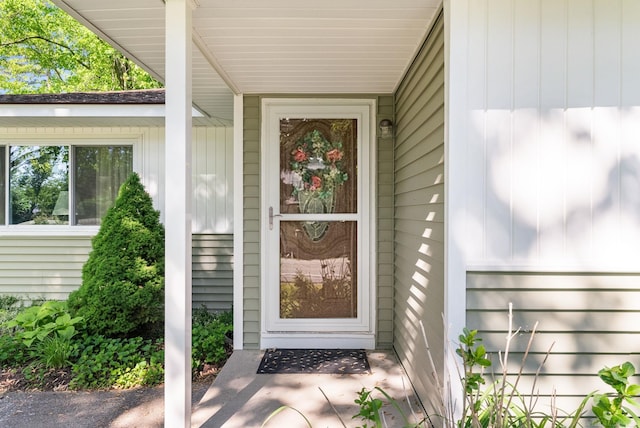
x=208 y=338
x=122 y=291
x=55 y=351
x=13 y=353
x=9 y=308
x=611 y=411
x=473 y=355
x=106 y=362
x=494 y=399
x=8 y=301
x=40 y=322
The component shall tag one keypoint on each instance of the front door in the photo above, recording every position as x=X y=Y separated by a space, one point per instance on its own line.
x=317 y=286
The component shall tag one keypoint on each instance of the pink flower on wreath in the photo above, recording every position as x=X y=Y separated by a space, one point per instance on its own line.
x=316 y=183
x=334 y=155
x=299 y=155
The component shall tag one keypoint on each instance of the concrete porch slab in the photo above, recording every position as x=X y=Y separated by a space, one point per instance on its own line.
x=240 y=398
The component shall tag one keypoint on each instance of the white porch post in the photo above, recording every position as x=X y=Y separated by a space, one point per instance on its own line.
x=238 y=222
x=177 y=390
x=456 y=54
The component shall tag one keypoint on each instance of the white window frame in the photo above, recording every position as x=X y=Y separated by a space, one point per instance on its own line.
x=71 y=142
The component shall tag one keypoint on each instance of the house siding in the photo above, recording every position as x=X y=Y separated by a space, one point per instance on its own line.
x=384 y=231
x=587 y=320
x=212 y=272
x=50 y=267
x=419 y=215
x=552 y=119
x=251 y=222
x=42 y=267
x=46 y=266
x=545 y=206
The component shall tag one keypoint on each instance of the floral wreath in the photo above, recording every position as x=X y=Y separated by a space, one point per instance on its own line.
x=316 y=164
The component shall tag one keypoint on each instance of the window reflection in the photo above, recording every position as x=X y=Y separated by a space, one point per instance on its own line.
x=318 y=279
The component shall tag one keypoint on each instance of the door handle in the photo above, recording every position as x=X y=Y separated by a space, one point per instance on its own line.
x=271 y=216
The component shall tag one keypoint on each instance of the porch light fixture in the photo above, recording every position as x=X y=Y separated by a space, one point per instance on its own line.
x=386 y=128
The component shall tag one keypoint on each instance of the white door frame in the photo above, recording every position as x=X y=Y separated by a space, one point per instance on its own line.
x=311 y=333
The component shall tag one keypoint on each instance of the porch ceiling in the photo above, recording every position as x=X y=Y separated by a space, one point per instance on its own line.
x=271 y=46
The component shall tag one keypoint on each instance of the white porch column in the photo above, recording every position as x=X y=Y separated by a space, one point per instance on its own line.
x=177 y=390
x=238 y=221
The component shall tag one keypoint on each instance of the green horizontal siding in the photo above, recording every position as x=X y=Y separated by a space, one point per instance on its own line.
x=587 y=320
x=419 y=216
x=42 y=267
x=384 y=230
x=51 y=267
x=251 y=222
x=212 y=271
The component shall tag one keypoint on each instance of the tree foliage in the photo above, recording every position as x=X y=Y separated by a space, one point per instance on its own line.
x=38 y=174
x=44 y=50
x=122 y=291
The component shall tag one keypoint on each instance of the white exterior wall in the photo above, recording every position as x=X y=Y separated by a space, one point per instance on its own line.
x=212 y=165
x=49 y=264
x=543 y=175
x=552 y=111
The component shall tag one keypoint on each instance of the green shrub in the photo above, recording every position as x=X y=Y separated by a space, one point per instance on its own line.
x=13 y=352
x=122 y=292
x=7 y=302
x=208 y=337
x=9 y=308
x=116 y=362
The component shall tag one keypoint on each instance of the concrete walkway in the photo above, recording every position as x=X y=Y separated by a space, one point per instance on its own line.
x=240 y=398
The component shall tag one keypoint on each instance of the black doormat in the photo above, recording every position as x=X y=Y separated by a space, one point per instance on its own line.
x=331 y=361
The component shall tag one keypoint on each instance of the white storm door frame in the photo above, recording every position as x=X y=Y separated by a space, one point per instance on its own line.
x=341 y=332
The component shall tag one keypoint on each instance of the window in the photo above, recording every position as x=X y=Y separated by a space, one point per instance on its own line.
x=2 y=185
x=60 y=184
x=99 y=173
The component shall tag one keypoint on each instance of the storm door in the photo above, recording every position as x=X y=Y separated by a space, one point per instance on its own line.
x=315 y=225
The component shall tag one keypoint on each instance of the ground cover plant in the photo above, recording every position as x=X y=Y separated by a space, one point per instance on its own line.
x=55 y=351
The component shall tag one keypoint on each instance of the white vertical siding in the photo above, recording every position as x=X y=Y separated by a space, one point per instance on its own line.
x=545 y=212
x=212 y=180
x=553 y=107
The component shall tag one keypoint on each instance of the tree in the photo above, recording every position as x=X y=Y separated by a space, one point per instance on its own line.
x=122 y=291
x=37 y=175
x=44 y=50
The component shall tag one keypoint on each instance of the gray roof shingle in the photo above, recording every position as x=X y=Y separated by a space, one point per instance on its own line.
x=146 y=96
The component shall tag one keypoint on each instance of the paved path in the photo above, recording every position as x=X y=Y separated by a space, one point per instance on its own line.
x=238 y=398
x=136 y=408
